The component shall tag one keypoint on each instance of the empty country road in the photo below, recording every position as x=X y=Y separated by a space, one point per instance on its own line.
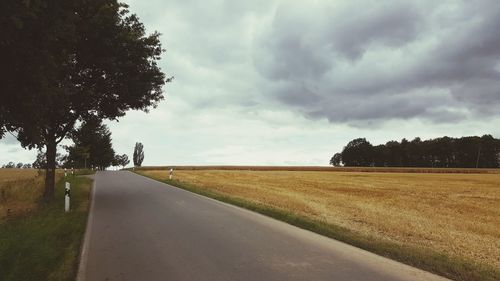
x=141 y=229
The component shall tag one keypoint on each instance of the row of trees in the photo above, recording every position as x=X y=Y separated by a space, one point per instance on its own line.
x=69 y=61
x=19 y=165
x=92 y=148
x=465 y=152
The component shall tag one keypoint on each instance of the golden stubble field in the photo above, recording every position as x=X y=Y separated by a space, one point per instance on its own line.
x=20 y=189
x=458 y=214
x=7 y=175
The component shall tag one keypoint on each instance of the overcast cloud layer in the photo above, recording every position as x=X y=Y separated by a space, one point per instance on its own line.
x=291 y=82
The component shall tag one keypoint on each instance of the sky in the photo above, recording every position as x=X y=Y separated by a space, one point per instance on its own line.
x=291 y=82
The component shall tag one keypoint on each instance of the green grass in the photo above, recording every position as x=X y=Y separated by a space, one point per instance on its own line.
x=451 y=267
x=83 y=172
x=44 y=245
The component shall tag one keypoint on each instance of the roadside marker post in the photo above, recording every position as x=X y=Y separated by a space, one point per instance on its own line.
x=72 y=171
x=171 y=173
x=65 y=172
x=66 y=197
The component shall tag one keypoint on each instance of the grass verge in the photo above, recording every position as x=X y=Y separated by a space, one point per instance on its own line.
x=427 y=259
x=44 y=244
x=83 y=172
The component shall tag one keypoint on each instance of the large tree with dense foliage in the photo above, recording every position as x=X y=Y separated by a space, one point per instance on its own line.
x=358 y=152
x=64 y=61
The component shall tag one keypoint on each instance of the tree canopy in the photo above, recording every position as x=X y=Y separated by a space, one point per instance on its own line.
x=92 y=146
x=358 y=152
x=121 y=160
x=336 y=159
x=64 y=61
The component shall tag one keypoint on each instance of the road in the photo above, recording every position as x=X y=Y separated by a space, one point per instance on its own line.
x=141 y=229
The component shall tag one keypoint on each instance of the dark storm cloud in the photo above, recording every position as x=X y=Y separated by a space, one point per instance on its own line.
x=386 y=24
x=378 y=60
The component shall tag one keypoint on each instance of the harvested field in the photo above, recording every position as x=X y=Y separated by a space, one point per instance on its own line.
x=7 y=175
x=20 y=190
x=455 y=214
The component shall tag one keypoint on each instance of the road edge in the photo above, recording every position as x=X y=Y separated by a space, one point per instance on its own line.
x=82 y=264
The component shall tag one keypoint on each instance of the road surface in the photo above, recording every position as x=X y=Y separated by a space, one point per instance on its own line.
x=141 y=229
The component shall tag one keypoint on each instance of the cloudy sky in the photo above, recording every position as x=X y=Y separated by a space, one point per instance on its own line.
x=269 y=82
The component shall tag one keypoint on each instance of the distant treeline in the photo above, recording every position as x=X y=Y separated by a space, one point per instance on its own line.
x=446 y=152
x=12 y=165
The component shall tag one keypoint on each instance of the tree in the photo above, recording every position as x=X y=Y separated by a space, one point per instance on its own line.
x=379 y=156
x=92 y=146
x=467 y=151
x=71 y=60
x=27 y=166
x=487 y=155
x=336 y=159
x=121 y=160
x=358 y=152
x=19 y=165
x=40 y=161
x=10 y=165
x=138 y=156
x=416 y=153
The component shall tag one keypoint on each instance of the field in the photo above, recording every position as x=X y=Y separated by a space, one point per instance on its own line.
x=16 y=174
x=457 y=214
x=20 y=190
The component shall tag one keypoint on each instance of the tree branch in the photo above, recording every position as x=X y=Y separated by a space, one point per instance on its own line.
x=65 y=131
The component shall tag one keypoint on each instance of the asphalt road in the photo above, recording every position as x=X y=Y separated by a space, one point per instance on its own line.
x=140 y=229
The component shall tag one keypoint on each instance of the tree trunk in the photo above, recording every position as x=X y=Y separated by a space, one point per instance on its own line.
x=50 y=170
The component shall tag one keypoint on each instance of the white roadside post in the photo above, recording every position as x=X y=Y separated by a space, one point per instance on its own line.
x=65 y=172
x=171 y=173
x=66 y=197
x=72 y=171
